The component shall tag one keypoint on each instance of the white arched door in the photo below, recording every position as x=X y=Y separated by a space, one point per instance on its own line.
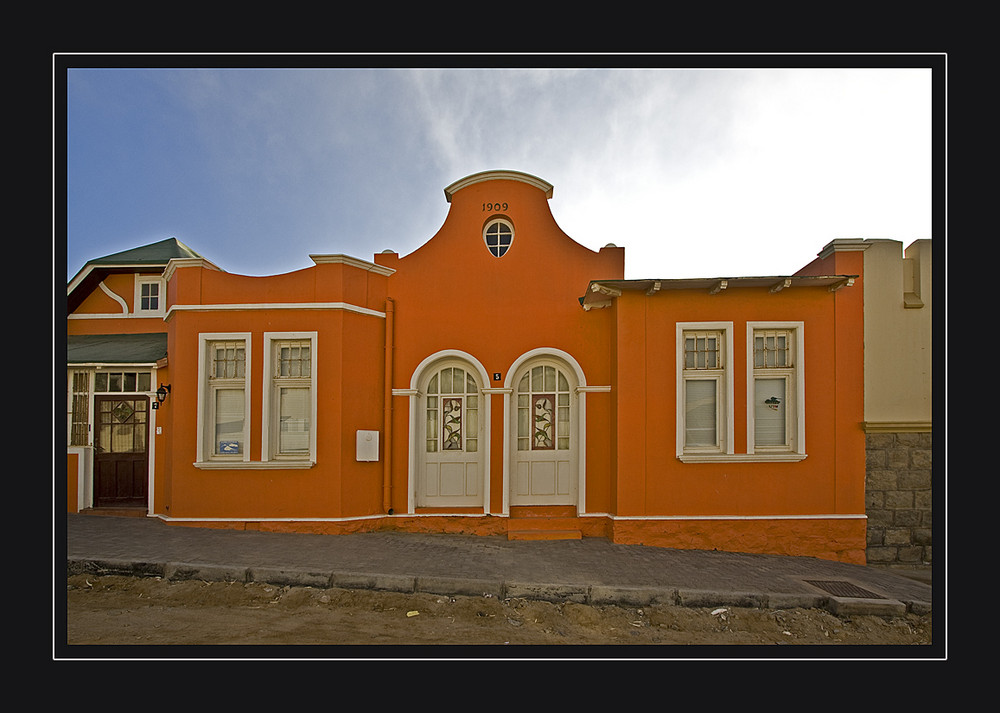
x=449 y=438
x=545 y=445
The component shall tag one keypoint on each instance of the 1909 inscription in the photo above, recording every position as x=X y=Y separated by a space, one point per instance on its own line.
x=494 y=206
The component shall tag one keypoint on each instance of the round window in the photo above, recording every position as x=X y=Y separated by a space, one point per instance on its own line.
x=498 y=234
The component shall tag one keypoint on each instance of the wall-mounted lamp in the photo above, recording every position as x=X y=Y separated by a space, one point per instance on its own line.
x=161 y=393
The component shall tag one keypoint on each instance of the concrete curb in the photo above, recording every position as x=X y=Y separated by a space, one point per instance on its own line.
x=455 y=586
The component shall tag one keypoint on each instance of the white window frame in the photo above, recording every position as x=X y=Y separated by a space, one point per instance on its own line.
x=206 y=402
x=498 y=220
x=794 y=449
x=269 y=416
x=724 y=393
x=141 y=280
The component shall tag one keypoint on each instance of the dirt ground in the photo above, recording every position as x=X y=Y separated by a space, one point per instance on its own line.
x=110 y=610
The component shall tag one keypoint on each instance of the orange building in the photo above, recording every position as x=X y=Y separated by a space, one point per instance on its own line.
x=500 y=380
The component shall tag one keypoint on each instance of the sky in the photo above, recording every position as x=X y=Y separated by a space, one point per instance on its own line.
x=696 y=172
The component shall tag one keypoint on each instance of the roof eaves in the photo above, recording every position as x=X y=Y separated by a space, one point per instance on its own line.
x=600 y=292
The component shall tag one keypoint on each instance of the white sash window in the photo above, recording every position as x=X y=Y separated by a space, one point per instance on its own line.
x=290 y=397
x=775 y=409
x=225 y=431
x=704 y=389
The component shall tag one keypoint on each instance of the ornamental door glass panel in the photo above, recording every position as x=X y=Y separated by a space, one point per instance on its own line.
x=544 y=453
x=122 y=425
x=451 y=469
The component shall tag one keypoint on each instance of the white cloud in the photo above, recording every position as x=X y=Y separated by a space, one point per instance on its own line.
x=695 y=173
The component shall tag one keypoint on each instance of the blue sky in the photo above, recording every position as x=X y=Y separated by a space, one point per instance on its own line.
x=696 y=172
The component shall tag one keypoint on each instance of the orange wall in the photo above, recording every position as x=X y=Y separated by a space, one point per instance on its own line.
x=99 y=302
x=348 y=383
x=651 y=480
x=451 y=293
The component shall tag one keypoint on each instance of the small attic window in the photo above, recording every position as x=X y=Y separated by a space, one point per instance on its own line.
x=498 y=234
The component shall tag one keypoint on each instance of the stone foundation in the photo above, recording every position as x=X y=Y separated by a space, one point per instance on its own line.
x=898 y=499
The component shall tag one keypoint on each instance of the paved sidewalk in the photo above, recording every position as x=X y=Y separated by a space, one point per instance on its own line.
x=591 y=570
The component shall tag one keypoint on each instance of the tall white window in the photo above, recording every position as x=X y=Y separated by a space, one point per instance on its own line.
x=704 y=412
x=290 y=396
x=775 y=409
x=225 y=397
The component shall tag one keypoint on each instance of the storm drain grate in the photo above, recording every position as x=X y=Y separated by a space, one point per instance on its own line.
x=840 y=588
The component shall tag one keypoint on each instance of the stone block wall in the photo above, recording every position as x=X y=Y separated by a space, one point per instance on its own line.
x=898 y=499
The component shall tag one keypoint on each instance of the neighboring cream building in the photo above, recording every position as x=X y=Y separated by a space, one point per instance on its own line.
x=898 y=400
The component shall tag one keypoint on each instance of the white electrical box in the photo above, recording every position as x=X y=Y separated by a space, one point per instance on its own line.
x=367 y=446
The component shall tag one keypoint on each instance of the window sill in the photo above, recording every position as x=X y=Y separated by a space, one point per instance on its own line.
x=741 y=457
x=254 y=465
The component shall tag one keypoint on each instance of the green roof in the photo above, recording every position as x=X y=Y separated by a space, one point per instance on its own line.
x=154 y=254
x=115 y=348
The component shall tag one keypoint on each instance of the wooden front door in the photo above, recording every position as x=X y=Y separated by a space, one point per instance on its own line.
x=121 y=451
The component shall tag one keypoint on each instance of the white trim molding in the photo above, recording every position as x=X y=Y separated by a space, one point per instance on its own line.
x=273 y=305
x=352 y=262
x=535 y=181
x=116 y=297
x=741 y=458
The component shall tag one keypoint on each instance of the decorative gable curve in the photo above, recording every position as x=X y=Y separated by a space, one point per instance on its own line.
x=458 y=185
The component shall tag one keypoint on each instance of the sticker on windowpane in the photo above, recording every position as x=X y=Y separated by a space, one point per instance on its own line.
x=229 y=447
x=769 y=416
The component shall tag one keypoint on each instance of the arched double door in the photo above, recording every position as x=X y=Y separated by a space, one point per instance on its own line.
x=451 y=433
